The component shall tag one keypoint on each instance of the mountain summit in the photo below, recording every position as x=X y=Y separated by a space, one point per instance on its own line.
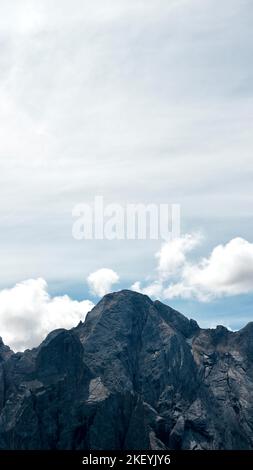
x=135 y=375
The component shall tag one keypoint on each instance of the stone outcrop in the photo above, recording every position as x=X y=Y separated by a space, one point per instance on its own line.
x=135 y=375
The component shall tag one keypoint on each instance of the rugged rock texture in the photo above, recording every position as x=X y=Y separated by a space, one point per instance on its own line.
x=136 y=375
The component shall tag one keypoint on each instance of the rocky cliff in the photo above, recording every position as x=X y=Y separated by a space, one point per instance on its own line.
x=135 y=375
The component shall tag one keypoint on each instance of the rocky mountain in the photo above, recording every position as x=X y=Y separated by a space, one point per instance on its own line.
x=135 y=375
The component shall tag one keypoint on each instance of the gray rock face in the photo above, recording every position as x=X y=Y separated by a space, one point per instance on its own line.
x=135 y=375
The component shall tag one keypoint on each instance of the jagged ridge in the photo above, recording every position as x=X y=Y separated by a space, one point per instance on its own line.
x=135 y=375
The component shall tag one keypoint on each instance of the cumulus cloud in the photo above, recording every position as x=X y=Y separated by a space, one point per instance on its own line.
x=101 y=281
x=171 y=261
x=172 y=255
x=152 y=290
x=227 y=271
x=28 y=313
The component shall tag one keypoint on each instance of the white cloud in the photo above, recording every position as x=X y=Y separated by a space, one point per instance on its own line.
x=179 y=289
x=227 y=271
x=171 y=261
x=172 y=255
x=101 y=281
x=28 y=313
x=152 y=290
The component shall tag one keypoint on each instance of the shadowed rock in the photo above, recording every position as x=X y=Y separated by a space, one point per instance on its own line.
x=135 y=375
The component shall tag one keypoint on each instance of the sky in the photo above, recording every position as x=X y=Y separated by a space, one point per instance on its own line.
x=140 y=102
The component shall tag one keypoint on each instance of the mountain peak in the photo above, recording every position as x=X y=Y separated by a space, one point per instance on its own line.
x=127 y=305
x=135 y=374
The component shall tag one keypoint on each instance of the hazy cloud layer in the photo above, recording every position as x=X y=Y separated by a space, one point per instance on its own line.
x=147 y=101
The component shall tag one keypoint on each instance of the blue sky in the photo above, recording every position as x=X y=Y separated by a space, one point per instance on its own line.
x=139 y=101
